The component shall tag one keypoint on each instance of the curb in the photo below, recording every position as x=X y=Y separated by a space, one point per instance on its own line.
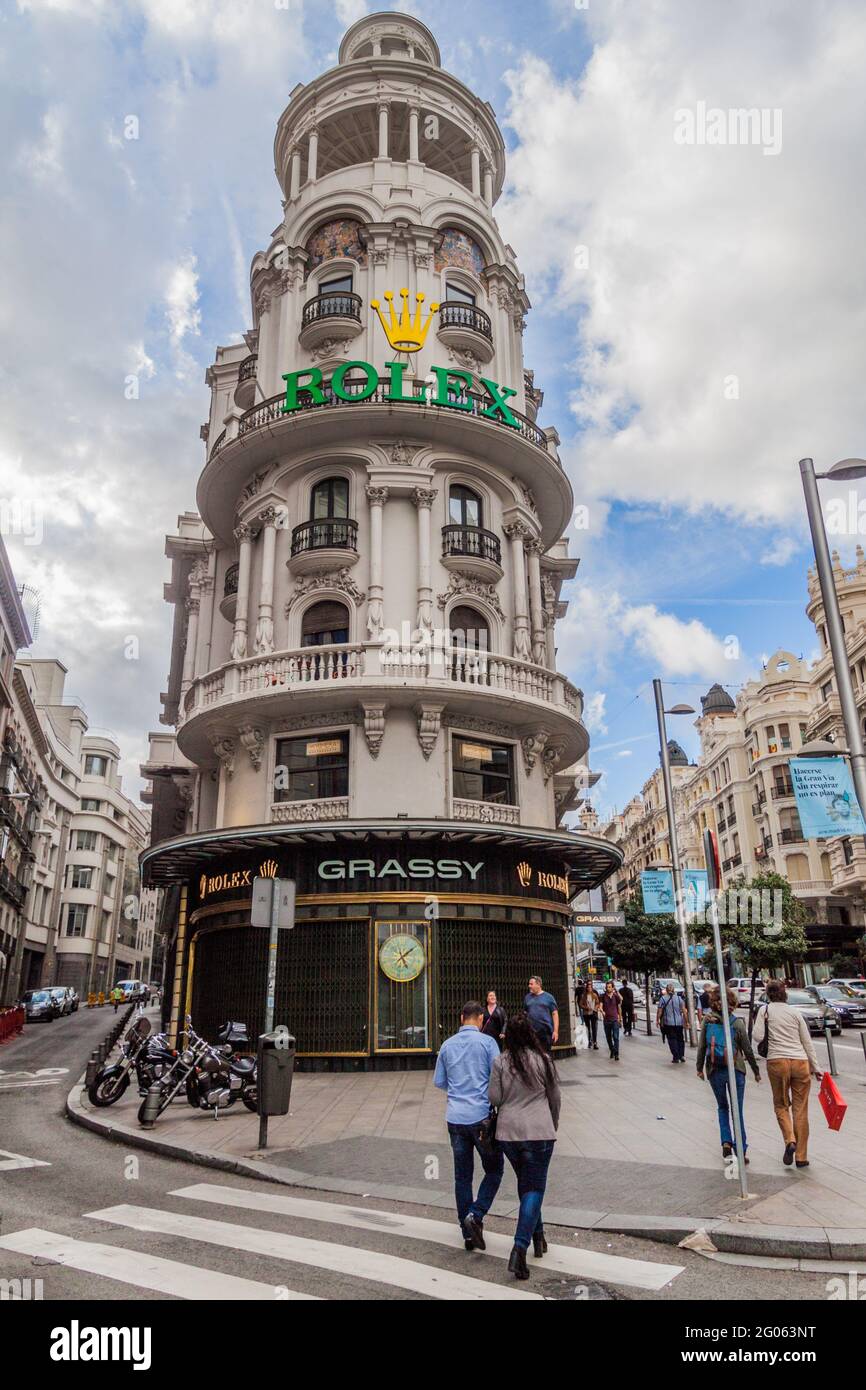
x=732 y=1237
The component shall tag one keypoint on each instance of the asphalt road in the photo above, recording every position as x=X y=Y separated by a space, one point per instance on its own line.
x=169 y=1229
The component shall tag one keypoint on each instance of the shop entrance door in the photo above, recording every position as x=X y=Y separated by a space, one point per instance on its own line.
x=401 y=974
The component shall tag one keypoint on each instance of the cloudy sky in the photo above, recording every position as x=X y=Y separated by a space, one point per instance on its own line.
x=697 y=323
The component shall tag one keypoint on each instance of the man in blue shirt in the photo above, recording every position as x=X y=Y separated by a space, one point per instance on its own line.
x=542 y=1012
x=463 y=1069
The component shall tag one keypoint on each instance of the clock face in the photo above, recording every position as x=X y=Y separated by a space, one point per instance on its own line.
x=402 y=957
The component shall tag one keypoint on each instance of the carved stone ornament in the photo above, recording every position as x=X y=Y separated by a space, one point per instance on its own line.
x=254 y=485
x=239 y=645
x=550 y=760
x=376 y=496
x=225 y=749
x=533 y=746
x=264 y=642
x=341 y=580
x=245 y=531
x=429 y=724
x=548 y=597
x=330 y=347
x=461 y=584
x=424 y=496
x=374 y=726
x=478 y=726
x=465 y=358
x=402 y=454
x=198 y=574
x=253 y=740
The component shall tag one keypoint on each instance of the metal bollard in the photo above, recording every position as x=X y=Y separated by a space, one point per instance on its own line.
x=91 y=1073
x=150 y=1109
x=830 y=1052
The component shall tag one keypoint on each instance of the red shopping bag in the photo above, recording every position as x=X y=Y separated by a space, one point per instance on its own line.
x=832 y=1103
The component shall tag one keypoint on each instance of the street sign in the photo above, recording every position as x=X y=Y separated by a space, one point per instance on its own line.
x=265 y=891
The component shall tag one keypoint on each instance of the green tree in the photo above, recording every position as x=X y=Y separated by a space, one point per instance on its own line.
x=645 y=944
x=762 y=944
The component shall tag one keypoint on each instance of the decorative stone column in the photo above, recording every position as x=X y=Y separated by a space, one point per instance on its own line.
x=295 y=179
x=488 y=185
x=518 y=534
x=414 y=115
x=312 y=155
x=383 y=129
x=192 y=608
x=476 y=171
x=377 y=497
x=534 y=548
x=424 y=499
x=244 y=536
x=265 y=623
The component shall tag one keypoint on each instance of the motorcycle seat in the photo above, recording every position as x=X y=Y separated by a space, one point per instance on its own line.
x=242 y=1066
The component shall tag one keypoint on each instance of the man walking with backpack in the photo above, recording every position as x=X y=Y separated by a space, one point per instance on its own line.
x=712 y=1057
x=463 y=1070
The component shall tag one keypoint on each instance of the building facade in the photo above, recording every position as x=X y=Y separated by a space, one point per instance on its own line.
x=363 y=686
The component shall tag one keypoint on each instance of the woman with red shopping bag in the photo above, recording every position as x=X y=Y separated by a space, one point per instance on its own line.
x=782 y=1037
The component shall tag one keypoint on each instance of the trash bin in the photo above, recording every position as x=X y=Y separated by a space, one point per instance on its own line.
x=276 y=1066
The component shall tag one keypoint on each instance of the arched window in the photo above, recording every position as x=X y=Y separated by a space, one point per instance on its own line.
x=464 y=506
x=468 y=629
x=329 y=499
x=325 y=624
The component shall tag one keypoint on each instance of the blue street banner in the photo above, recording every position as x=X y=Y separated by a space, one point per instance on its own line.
x=695 y=889
x=826 y=800
x=657 y=888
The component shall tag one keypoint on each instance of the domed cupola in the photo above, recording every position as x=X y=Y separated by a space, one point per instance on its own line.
x=717 y=701
x=390 y=35
x=677 y=754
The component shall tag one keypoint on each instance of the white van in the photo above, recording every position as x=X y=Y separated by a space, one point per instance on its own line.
x=132 y=990
x=743 y=988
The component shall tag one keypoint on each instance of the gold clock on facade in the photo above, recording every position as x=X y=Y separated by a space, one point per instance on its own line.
x=402 y=958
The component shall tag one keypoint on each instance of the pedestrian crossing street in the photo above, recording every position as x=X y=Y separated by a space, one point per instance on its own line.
x=191 y=1218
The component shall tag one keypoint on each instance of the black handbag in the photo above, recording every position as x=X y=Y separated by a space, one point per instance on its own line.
x=764 y=1044
x=487 y=1131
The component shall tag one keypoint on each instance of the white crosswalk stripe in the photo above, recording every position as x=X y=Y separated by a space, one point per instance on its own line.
x=392 y=1270
x=561 y=1259
x=143 y=1270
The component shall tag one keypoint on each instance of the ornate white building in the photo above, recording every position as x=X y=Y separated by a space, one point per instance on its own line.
x=363 y=682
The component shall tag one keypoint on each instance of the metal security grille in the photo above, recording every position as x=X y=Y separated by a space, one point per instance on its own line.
x=322 y=983
x=474 y=957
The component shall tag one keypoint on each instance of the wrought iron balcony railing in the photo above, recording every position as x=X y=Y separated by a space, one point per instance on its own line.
x=453 y=314
x=248 y=368
x=231 y=581
x=471 y=540
x=332 y=306
x=328 y=533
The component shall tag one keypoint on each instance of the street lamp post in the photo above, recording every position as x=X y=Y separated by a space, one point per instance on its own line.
x=847 y=469
x=676 y=874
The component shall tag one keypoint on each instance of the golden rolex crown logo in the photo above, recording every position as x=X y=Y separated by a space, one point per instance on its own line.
x=268 y=869
x=524 y=873
x=404 y=333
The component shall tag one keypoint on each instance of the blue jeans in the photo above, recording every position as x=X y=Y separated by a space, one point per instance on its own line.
x=719 y=1082
x=530 y=1159
x=464 y=1144
x=676 y=1041
x=611 y=1032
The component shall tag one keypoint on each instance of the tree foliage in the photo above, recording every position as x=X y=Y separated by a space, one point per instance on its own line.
x=763 y=945
x=645 y=944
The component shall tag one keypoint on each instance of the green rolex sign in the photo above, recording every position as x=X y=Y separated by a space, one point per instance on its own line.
x=308 y=387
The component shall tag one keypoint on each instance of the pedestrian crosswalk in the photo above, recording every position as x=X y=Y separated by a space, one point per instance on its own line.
x=303 y=1242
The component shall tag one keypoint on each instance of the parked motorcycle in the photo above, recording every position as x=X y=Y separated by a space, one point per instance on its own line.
x=223 y=1077
x=142 y=1054
x=200 y=1069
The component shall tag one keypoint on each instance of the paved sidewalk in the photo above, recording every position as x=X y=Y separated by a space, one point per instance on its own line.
x=638 y=1150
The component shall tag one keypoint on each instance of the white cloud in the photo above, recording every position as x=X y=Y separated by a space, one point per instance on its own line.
x=702 y=267
x=624 y=753
x=348 y=11
x=181 y=299
x=42 y=159
x=781 y=552
x=593 y=712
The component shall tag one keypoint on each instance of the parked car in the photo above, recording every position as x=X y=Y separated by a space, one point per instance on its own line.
x=661 y=984
x=133 y=990
x=850 y=1008
x=858 y=984
x=814 y=1011
x=38 y=1004
x=742 y=986
x=65 y=999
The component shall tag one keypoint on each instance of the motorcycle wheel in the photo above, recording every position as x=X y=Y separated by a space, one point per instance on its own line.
x=108 y=1087
x=192 y=1091
x=249 y=1096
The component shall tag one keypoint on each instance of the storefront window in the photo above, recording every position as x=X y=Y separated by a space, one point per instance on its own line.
x=483 y=771
x=311 y=769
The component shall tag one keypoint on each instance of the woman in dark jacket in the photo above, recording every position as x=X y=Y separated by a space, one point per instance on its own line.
x=494 y=1018
x=716 y=1065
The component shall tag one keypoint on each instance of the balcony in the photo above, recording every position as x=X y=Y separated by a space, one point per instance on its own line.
x=465 y=328
x=781 y=790
x=331 y=318
x=245 y=391
x=487 y=812
x=790 y=836
x=229 y=600
x=324 y=544
x=472 y=551
x=470 y=682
